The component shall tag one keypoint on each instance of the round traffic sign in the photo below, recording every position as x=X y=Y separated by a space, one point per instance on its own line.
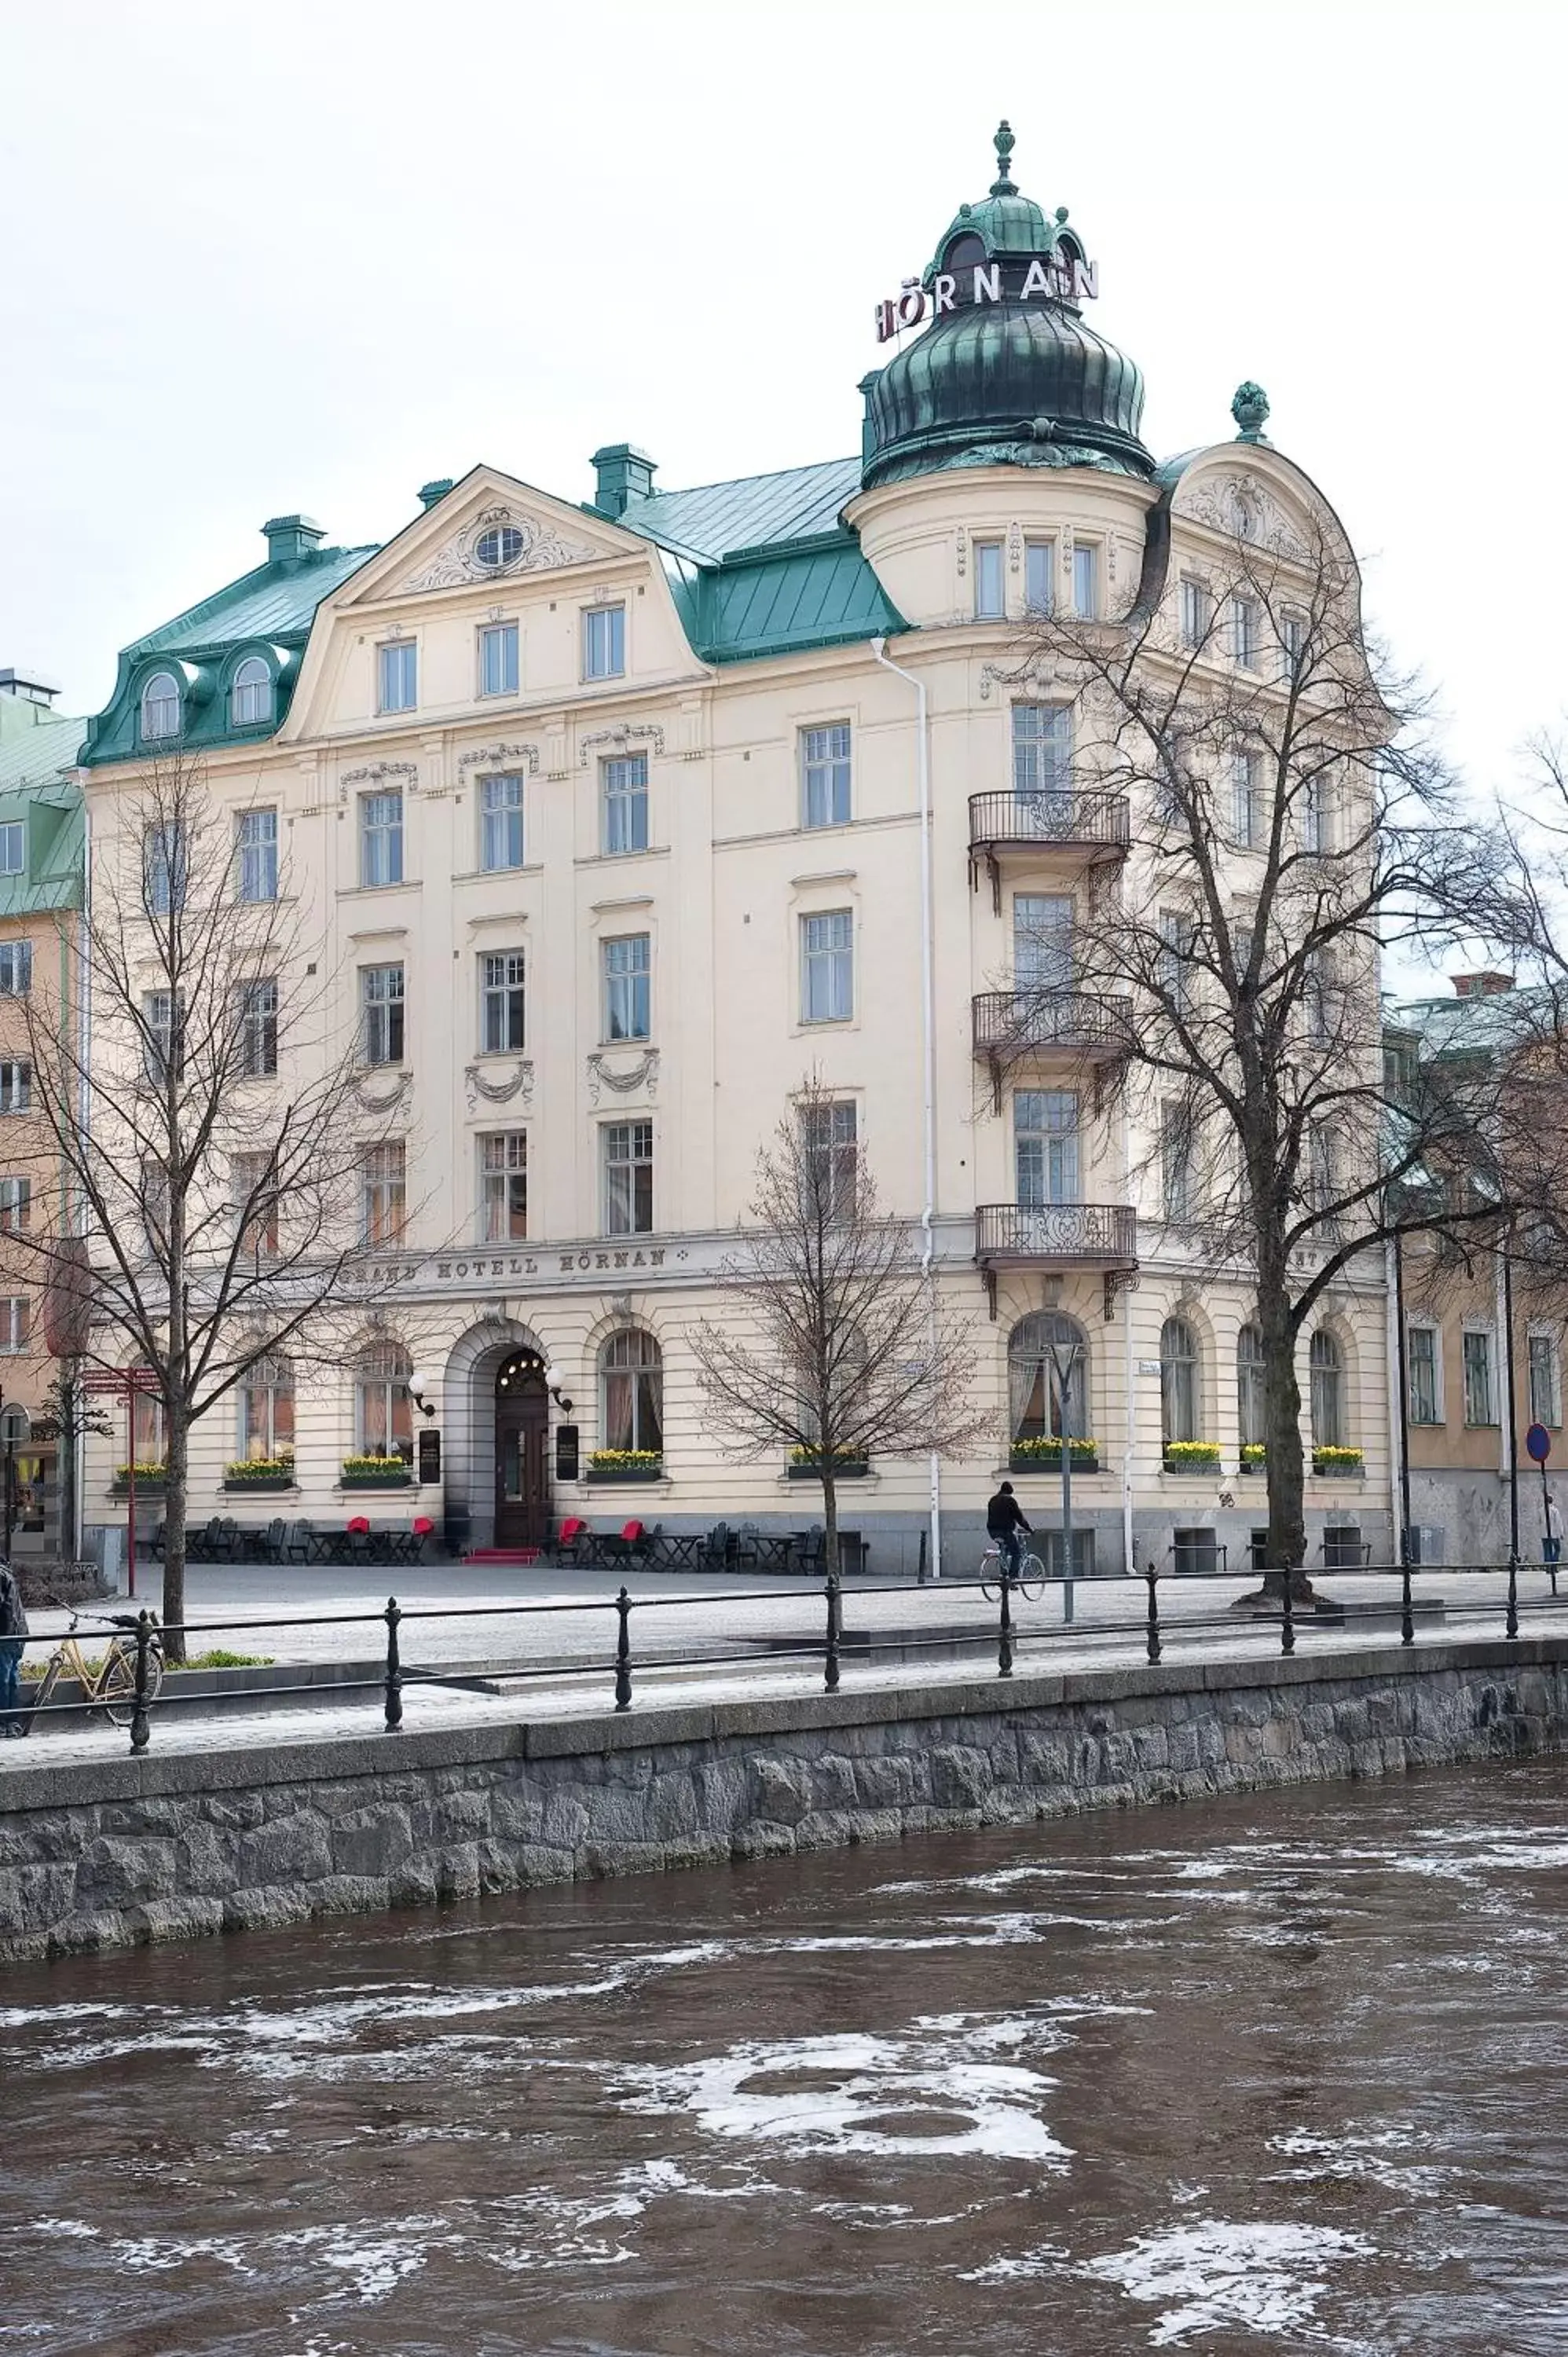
x=1538 y=1441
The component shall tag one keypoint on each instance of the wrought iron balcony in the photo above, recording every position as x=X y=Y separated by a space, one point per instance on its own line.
x=1014 y=1027
x=1089 y=826
x=1058 y=1235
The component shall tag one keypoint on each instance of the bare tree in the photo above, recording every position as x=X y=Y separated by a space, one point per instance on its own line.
x=838 y=1347
x=1292 y=825
x=211 y=1128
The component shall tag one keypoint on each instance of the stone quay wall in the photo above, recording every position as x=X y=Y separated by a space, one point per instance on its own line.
x=128 y=1851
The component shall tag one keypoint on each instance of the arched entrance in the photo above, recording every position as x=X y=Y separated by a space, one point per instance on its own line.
x=522 y=1450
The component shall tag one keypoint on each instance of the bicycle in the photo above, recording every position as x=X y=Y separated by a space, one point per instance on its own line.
x=112 y=1685
x=1028 y=1581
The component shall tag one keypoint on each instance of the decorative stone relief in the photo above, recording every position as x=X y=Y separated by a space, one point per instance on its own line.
x=963 y=550
x=644 y=1073
x=502 y=1088
x=455 y=563
x=623 y=736
x=1032 y=673
x=380 y=773
x=501 y=757
x=1014 y=547
x=366 y=1097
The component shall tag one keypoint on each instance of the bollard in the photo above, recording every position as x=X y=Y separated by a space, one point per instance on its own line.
x=1152 y=1575
x=1004 y=1634
x=1287 y=1615
x=139 y=1707
x=1513 y=1596
x=394 y=1668
x=623 y=1651
x=831 y=1662
x=1407 y=1609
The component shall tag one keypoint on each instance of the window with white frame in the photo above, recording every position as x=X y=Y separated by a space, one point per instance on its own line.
x=1246 y=777
x=1042 y=749
x=1179 y=1372
x=825 y=775
x=628 y=1150
x=13 y=847
x=251 y=694
x=160 y=707
x=154 y=1202
x=161 y=1010
x=1476 y=1361
x=1317 y=996
x=256 y=854
x=266 y=1410
x=383 y=1192
x=15 y=1323
x=165 y=868
x=1178 y=935
x=16 y=1086
x=1085 y=580
x=1044 y=952
x=383 y=1412
x=1292 y=643
x=380 y=838
x=502 y=1009
x=990 y=600
x=382 y=1013
x=623 y=799
x=1045 y=1147
x=498 y=658
x=631 y=1392
x=1197 y=612
x=1040 y=575
x=828 y=1137
x=15 y=1205
x=501 y=823
x=1423 y=1363
x=1321 y=1168
x=627 y=983
x=1316 y=831
x=149 y=1434
x=256 y=1021
x=16 y=969
x=503 y=1186
x=252 y=1185
x=1176 y=1160
x=1244 y=631
x=1325 y=1368
x=827 y=967
x=1040 y=1407
x=604 y=642
x=1546 y=1380
x=1251 y=1422
x=397 y=676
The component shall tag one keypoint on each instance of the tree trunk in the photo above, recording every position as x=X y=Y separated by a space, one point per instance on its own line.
x=175 y=1463
x=830 y=1521
x=1286 y=1550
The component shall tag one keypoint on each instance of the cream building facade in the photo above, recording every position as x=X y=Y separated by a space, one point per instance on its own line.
x=608 y=821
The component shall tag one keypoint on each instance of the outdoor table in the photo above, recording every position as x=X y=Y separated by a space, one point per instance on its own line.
x=681 y=1554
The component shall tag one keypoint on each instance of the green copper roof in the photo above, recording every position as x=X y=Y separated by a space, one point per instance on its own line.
x=35 y=744
x=37 y=747
x=714 y=519
x=815 y=592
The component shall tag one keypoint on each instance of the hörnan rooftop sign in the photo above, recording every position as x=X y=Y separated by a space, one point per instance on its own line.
x=1050 y=278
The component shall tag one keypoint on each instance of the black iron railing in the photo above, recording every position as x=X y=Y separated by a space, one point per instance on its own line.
x=1047 y=816
x=1093 y=1235
x=1009 y=1023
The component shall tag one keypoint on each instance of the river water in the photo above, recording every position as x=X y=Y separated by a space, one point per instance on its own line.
x=1278 y=2073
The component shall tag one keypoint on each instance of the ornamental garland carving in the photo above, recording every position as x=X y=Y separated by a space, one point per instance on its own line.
x=377 y=773
x=500 y=1090
x=455 y=564
x=366 y=1098
x=488 y=757
x=643 y=1073
x=1030 y=672
x=622 y=736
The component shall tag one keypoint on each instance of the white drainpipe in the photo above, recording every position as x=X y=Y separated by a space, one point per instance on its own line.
x=928 y=1019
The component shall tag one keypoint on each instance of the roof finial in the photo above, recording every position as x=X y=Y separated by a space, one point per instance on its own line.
x=1004 y=184
x=1249 y=408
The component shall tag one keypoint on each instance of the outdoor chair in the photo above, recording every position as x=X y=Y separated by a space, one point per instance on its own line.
x=272 y=1539
x=638 y=1541
x=160 y=1542
x=718 y=1549
x=298 y=1544
x=574 y=1542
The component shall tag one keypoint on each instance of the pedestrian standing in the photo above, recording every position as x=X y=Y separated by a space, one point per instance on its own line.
x=1552 y=1546
x=13 y=1628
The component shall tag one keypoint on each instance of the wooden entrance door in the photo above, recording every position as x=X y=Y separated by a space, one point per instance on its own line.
x=522 y=1452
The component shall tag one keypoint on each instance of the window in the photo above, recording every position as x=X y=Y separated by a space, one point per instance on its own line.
x=1038 y=1408
x=381 y=1006
x=1245 y=776
x=149 y=1443
x=629 y=1178
x=1040 y=575
x=1315 y=823
x=1043 y=956
x=252 y=1185
x=825 y=775
x=160 y=707
x=1327 y=1373
x=15 y=1323
x=15 y=1205
x=501 y=823
x=501 y=1002
x=165 y=869
x=498 y=658
x=1085 y=582
x=154 y=1202
x=1045 y=1146
x=624 y=795
x=1179 y=1381
x=1252 y=1423
x=13 y=847
x=383 y=1193
x=631 y=1392
x=604 y=642
x=988 y=592
x=628 y=983
x=16 y=969
x=15 y=1087
x=1244 y=630
x=256 y=1014
x=1175 y=1161
x=380 y=838
x=1423 y=1363
x=499 y=547
x=251 y=694
x=1177 y=936
x=383 y=1412
x=1196 y=613
x=1545 y=1389
x=1475 y=1357
x=829 y=1135
x=827 y=967
x=1317 y=996
x=256 y=845
x=1292 y=643
x=1042 y=748
x=503 y=1186
x=160 y=1009
x=397 y=673
x=266 y=1409
x=1320 y=1169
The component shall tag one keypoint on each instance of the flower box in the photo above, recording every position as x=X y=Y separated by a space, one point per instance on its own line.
x=639 y=1465
x=1339 y=1464
x=1192 y=1457
x=1046 y=1456
x=806 y=1466
x=253 y=1481
x=1254 y=1457
x=148 y=1477
x=376 y=1473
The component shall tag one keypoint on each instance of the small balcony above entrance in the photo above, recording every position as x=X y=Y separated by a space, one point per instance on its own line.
x=1038 y=1026
x=1058 y=1235
x=1085 y=829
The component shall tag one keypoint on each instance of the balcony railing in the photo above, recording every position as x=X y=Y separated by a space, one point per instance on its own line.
x=1058 y=1235
x=1069 y=1022
x=1092 y=825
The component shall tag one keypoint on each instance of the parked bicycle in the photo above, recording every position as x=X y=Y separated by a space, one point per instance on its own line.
x=1029 y=1582
x=108 y=1685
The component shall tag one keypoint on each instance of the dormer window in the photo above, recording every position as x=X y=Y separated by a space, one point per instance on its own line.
x=250 y=696
x=160 y=707
x=499 y=547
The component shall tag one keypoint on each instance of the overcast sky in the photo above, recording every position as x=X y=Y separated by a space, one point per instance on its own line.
x=307 y=256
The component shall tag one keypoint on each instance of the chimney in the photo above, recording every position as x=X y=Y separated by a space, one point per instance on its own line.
x=625 y=473
x=1482 y=985
x=29 y=686
x=429 y=493
x=291 y=537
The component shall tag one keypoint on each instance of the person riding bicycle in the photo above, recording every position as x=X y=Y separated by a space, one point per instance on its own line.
x=1006 y=1525
x=13 y=1628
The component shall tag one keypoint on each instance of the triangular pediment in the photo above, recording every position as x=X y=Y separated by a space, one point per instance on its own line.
x=486 y=529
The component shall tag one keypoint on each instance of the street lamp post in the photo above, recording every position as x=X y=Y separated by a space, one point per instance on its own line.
x=1064 y=1361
